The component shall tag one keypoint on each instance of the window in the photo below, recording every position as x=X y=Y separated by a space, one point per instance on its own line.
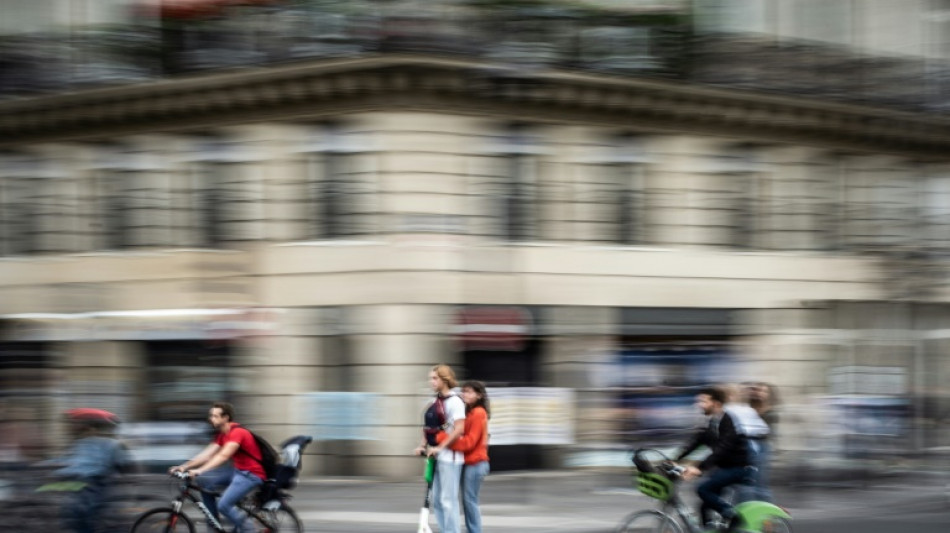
x=20 y=201
x=730 y=199
x=803 y=208
x=226 y=192
x=612 y=193
x=881 y=201
x=518 y=190
x=338 y=188
x=127 y=199
x=936 y=212
x=111 y=199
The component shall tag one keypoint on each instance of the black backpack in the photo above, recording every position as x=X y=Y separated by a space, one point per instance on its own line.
x=269 y=459
x=434 y=420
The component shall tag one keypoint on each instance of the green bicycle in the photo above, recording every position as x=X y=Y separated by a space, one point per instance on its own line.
x=658 y=477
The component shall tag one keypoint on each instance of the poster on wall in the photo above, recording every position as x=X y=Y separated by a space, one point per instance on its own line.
x=531 y=415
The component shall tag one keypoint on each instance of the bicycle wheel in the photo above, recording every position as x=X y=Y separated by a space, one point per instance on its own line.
x=281 y=520
x=163 y=520
x=776 y=524
x=651 y=521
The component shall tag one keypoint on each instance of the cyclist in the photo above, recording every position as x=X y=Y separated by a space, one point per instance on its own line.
x=231 y=443
x=730 y=461
x=94 y=459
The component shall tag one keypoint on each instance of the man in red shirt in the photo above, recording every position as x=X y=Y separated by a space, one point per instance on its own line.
x=245 y=473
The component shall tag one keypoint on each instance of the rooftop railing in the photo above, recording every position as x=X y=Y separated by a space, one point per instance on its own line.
x=523 y=36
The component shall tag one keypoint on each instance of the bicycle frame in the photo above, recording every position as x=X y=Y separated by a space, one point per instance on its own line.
x=753 y=515
x=188 y=492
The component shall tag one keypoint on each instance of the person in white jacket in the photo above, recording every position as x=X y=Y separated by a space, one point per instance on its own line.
x=756 y=430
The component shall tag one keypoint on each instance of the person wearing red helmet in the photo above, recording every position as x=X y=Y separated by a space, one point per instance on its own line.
x=94 y=459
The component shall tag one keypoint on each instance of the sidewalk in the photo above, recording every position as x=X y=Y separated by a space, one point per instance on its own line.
x=586 y=501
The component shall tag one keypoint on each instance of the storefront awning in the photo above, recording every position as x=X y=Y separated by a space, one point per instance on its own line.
x=148 y=324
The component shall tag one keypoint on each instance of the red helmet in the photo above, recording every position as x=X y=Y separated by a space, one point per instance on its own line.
x=92 y=415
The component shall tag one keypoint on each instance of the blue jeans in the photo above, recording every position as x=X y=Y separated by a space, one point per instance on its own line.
x=762 y=483
x=710 y=491
x=81 y=512
x=472 y=477
x=759 y=489
x=235 y=485
x=445 y=496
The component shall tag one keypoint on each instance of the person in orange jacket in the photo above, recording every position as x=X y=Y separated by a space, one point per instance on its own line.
x=474 y=444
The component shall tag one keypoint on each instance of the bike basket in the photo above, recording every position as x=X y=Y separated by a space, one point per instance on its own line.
x=655 y=486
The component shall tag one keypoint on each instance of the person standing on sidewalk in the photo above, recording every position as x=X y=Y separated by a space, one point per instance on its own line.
x=445 y=413
x=474 y=444
x=231 y=443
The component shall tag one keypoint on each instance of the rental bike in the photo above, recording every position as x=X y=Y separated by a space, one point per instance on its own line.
x=272 y=516
x=658 y=478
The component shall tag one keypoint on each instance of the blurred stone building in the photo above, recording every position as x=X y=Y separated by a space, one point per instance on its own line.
x=302 y=206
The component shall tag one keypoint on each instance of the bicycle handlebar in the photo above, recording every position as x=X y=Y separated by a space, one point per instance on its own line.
x=665 y=464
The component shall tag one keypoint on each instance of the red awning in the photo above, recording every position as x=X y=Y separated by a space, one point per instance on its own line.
x=493 y=328
x=192 y=9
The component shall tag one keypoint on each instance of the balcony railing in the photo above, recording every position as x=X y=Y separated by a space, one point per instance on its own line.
x=521 y=36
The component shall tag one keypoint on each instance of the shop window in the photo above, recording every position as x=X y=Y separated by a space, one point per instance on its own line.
x=185 y=378
x=27 y=400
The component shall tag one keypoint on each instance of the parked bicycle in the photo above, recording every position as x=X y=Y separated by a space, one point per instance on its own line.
x=658 y=477
x=271 y=516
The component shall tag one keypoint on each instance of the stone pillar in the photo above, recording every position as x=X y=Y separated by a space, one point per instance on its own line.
x=390 y=351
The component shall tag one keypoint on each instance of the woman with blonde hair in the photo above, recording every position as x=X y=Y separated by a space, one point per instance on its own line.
x=445 y=413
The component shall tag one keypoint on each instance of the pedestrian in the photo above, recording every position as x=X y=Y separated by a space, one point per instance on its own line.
x=474 y=444
x=445 y=413
x=756 y=431
x=94 y=460
x=231 y=463
x=763 y=398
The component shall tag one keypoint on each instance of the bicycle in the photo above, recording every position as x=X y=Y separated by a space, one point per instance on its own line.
x=272 y=516
x=659 y=479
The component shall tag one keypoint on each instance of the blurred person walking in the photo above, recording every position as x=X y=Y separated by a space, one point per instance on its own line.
x=445 y=413
x=474 y=444
x=754 y=428
x=235 y=445
x=93 y=460
x=729 y=463
x=763 y=398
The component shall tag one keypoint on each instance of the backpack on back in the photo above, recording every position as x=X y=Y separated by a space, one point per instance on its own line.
x=434 y=420
x=269 y=458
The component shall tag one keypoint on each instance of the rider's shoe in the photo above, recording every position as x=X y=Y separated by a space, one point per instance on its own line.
x=733 y=526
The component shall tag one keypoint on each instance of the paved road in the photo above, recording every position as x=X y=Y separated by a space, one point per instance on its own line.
x=594 y=502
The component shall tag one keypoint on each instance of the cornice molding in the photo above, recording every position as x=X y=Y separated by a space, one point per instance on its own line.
x=397 y=82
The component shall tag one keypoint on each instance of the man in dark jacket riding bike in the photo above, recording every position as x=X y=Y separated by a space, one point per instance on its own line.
x=730 y=461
